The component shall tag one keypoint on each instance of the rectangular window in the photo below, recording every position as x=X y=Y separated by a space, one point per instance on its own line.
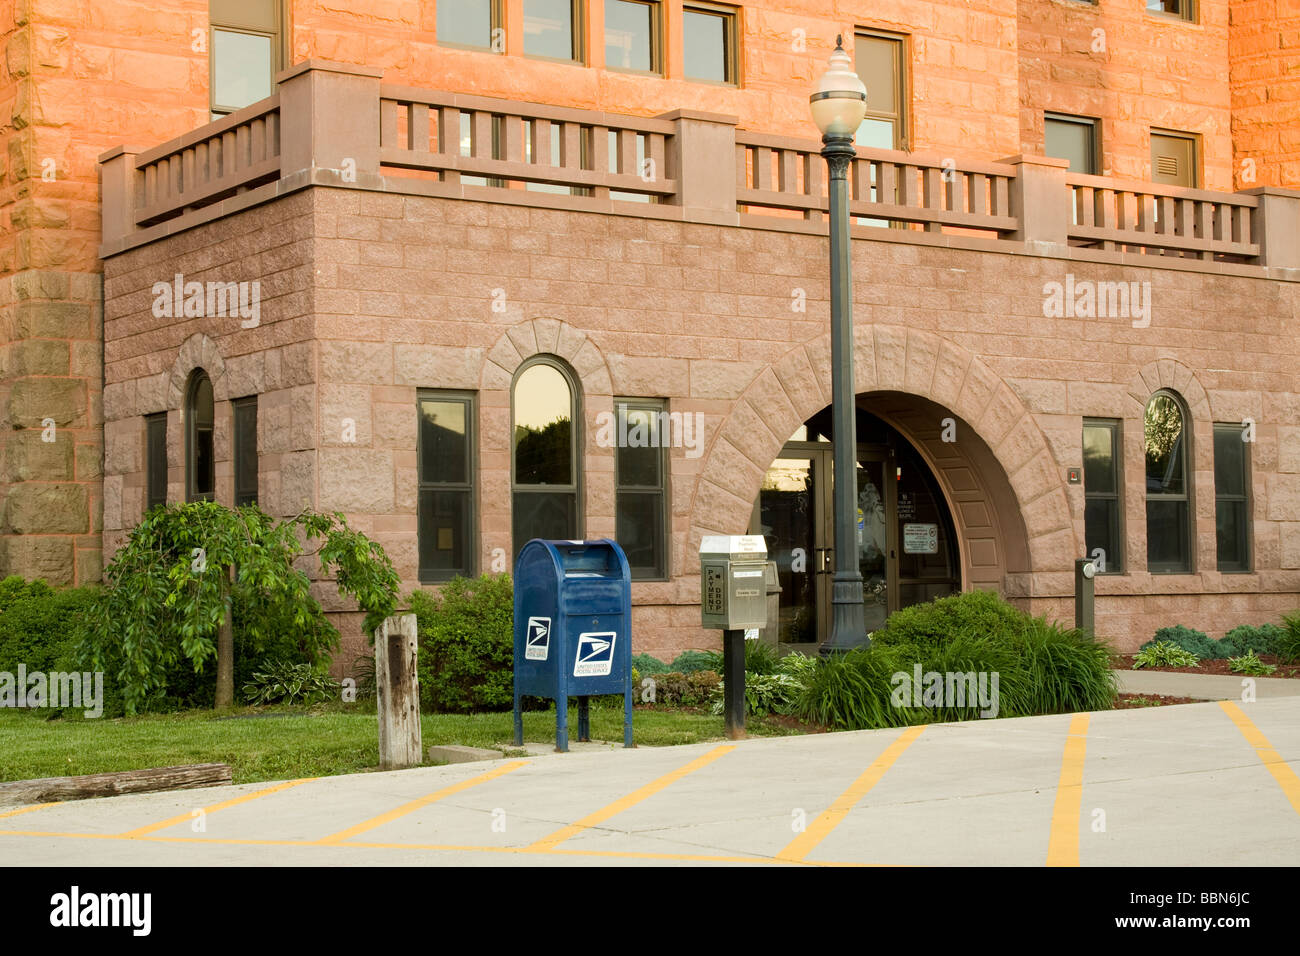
x=245 y=52
x=880 y=61
x=445 y=463
x=1074 y=138
x=155 y=464
x=470 y=23
x=640 y=475
x=244 y=443
x=1232 y=497
x=553 y=29
x=1183 y=9
x=1174 y=159
x=709 y=43
x=1101 y=484
x=632 y=36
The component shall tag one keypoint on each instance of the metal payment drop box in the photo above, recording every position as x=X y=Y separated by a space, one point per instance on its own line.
x=573 y=623
x=733 y=581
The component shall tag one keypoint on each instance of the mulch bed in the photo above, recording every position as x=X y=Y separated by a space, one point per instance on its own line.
x=1135 y=701
x=1125 y=662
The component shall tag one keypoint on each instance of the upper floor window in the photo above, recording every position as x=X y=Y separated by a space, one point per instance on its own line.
x=709 y=43
x=546 y=476
x=471 y=23
x=1074 y=138
x=1183 y=9
x=244 y=52
x=1168 y=513
x=1174 y=159
x=553 y=29
x=632 y=36
x=880 y=62
x=200 y=462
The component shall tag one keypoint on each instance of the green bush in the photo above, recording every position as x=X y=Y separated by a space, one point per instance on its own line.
x=645 y=665
x=41 y=628
x=466 y=653
x=688 y=662
x=1263 y=639
x=1040 y=667
x=1164 y=654
x=938 y=622
x=673 y=688
x=1189 y=639
x=1251 y=665
x=1288 y=645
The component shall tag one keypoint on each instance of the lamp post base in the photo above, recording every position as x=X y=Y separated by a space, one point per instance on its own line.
x=848 y=619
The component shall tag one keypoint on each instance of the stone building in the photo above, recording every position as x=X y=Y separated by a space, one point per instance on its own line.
x=560 y=268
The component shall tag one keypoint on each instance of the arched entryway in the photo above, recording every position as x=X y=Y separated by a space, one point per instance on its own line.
x=929 y=519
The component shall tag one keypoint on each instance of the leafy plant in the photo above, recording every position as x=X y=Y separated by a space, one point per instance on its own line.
x=466 y=655
x=674 y=688
x=1250 y=664
x=1189 y=639
x=40 y=627
x=938 y=622
x=764 y=694
x=1288 y=645
x=290 y=683
x=1164 y=654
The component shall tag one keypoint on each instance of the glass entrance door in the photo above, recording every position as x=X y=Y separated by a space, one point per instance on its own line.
x=906 y=542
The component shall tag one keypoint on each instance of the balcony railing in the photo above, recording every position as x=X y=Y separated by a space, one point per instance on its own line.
x=331 y=124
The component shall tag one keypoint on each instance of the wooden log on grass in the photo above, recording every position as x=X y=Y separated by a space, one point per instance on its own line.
x=397 y=687
x=52 y=789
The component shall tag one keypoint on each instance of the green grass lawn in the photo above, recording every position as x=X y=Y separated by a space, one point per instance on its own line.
x=280 y=743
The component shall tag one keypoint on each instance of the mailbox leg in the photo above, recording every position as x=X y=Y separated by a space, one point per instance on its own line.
x=733 y=667
x=562 y=723
x=627 y=715
x=584 y=719
x=519 y=723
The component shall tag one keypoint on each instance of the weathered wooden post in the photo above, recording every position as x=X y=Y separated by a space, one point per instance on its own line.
x=397 y=687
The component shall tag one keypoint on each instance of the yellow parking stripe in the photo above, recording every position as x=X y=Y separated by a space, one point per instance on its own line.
x=1286 y=777
x=422 y=802
x=236 y=801
x=1063 y=844
x=618 y=806
x=35 y=806
x=833 y=816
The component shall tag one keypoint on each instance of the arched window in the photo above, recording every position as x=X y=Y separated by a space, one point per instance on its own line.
x=546 y=480
x=1166 y=439
x=200 y=468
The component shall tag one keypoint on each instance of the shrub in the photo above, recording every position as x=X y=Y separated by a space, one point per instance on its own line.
x=1250 y=664
x=1189 y=639
x=688 y=662
x=1263 y=639
x=1040 y=668
x=290 y=683
x=41 y=628
x=685 y=690
x=466 y=653
x=1164 y=654
x=938 y=622
x=761 y=658
x=645 y=665
x=1288 y=645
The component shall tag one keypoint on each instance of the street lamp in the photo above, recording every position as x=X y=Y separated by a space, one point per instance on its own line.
x=838 y=108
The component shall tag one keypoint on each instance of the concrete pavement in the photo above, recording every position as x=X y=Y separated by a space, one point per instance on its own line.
x=1211 y=783
x=1203 y=686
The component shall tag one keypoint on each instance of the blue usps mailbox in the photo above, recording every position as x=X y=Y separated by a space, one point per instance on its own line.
x=573 y=623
